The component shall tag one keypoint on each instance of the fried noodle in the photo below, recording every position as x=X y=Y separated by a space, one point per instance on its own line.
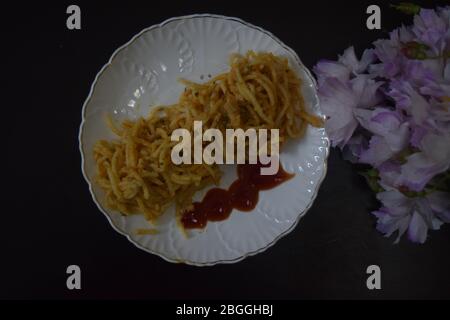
x=135 y=170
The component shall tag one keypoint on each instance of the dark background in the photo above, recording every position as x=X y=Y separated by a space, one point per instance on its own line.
x=49 y=220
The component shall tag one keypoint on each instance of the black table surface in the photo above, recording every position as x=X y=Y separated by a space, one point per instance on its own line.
x=50 y=221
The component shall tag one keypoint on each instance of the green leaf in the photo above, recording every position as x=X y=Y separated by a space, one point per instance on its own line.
x=407 y=7
x=372 y=178
x=372 y=173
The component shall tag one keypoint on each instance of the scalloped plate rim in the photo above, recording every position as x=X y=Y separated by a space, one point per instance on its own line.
x=83 y=120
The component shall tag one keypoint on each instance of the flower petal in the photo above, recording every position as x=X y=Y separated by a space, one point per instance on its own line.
x=417 y=230
x=425 y=210
x=389 y=173
x=419 y=106
x=331 y=69
x=337 y=102
x=396 y=91
x=398 y=139
x=365 y=91
x=348 y=58
x=440 y=204
x=338 y=90
x=436 y=147
x=408 y=99
x=429 y=27
x=418 y=133
x=418 y=171
x=386 y=50
x=368 y=57
x=354 y=147
x=397 y=203
x=388 y=224
x=377 y=153
x=380 y=121
x=401 y=35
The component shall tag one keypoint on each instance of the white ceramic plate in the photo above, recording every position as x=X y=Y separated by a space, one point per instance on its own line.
x=144 y=73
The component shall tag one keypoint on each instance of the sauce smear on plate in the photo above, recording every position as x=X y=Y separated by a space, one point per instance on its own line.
x=241 y=195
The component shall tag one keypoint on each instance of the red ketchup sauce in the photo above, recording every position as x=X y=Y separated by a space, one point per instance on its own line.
x=241 y=195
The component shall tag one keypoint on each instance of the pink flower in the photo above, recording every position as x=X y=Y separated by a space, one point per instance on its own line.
x=391 y=110
x=422 y=166
x=340 y=100
x=432 y=28
x=414 y=215
x=346 y=66
x=391 y=135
